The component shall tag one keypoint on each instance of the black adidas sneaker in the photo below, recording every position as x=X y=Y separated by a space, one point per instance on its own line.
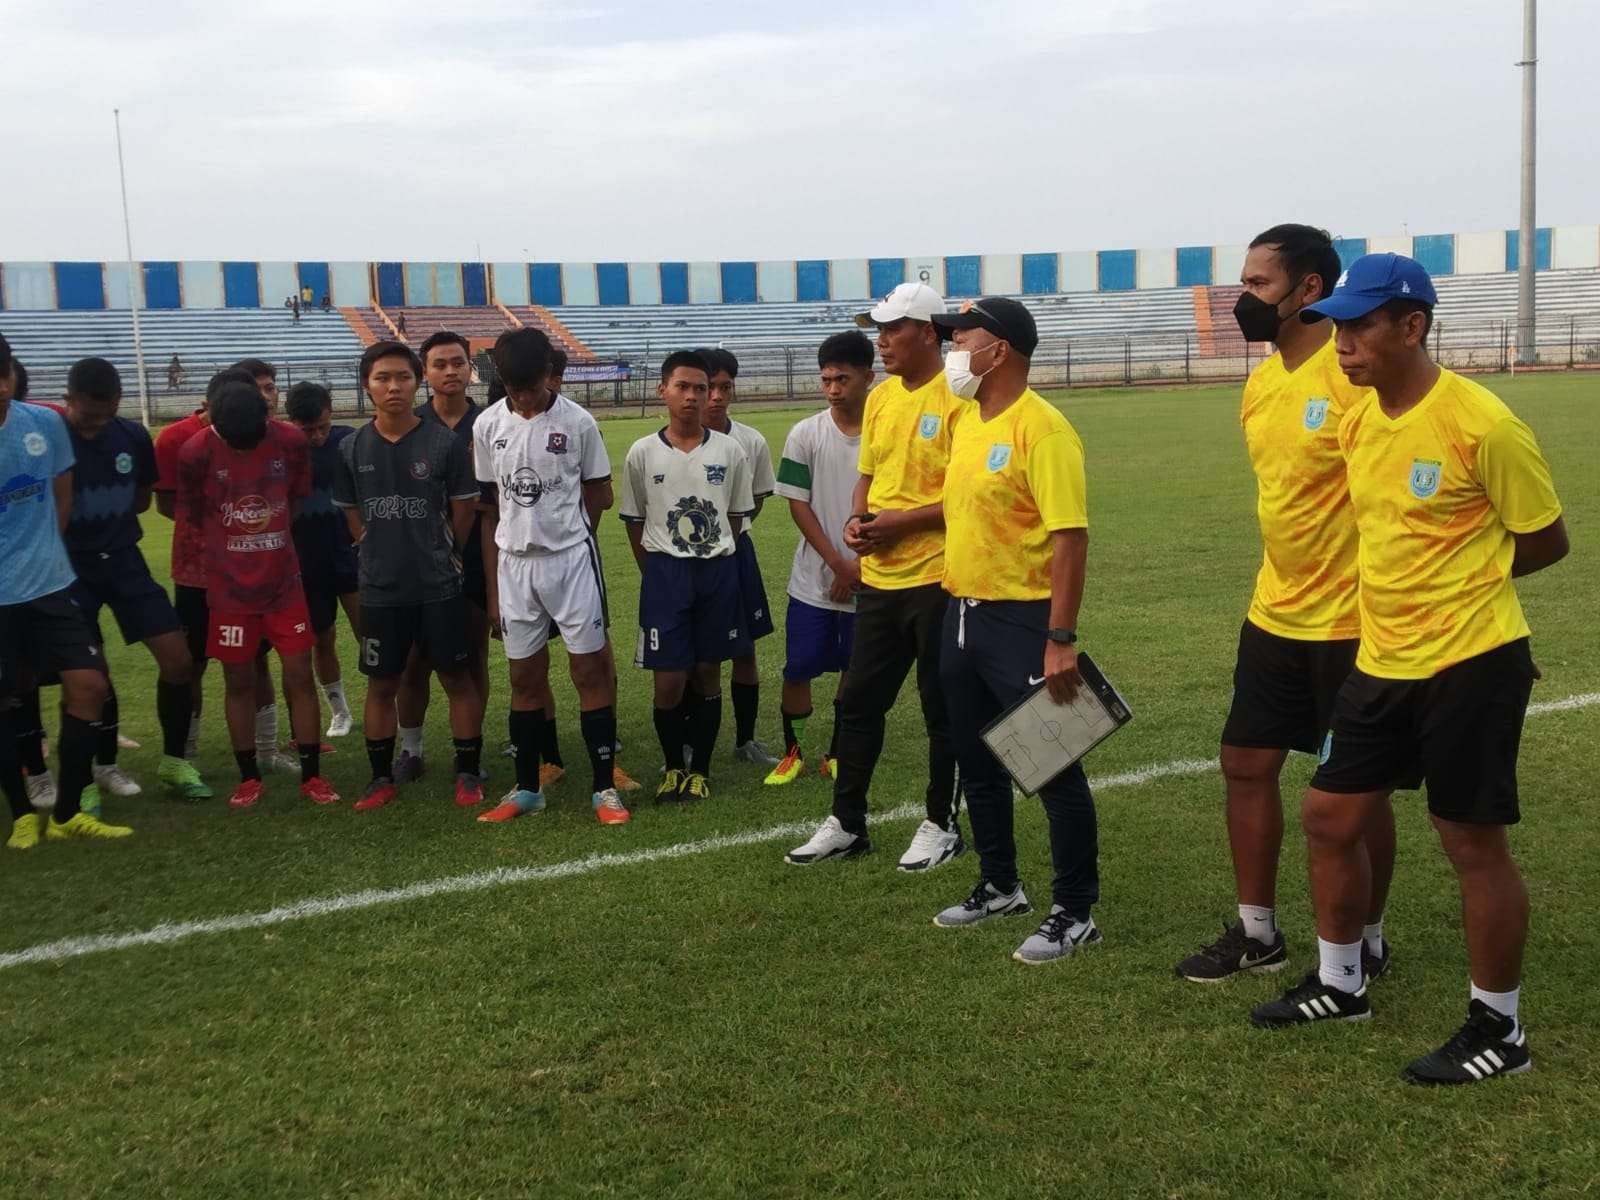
x=1312 y=1000
x=1478 y=1051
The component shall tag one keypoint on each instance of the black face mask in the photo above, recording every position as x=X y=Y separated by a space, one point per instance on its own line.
x=1258 y=320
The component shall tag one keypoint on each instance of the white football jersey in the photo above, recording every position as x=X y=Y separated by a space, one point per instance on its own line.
x=754 y=445
x=539 y=465
x=686 y=501
x=820 y=467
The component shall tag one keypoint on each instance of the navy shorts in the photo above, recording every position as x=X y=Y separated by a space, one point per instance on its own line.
x=817 y=641
x=322 y=599
x=122 y=583
x=690 y=612
x=752 y=591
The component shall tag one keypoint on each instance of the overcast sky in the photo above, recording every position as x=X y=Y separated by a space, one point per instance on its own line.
x=717 y=129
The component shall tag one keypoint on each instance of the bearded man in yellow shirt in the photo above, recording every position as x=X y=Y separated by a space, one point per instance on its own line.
x=1453 y=500
x=1298 y=641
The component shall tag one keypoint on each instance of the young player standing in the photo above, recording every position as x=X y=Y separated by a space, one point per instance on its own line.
x=239 y=481
x=685 y=494
x=817 y=475
x=545 y=480
x=407 y=490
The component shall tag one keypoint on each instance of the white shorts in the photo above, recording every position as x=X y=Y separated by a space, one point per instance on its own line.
x=565 y=588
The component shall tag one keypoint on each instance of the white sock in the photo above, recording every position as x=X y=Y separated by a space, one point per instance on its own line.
x=194 y=727
x=1504 y=1003
x=1260 y=924
x=267 y=728
x=1372 y=935
x=1339 y=965
x=335 y=695
x=411 y=741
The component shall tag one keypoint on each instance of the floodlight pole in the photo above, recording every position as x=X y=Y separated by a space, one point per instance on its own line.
x=1526 y=243
x=135 y=281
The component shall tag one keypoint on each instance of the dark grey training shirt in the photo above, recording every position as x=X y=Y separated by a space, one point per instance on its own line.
x=403 y=490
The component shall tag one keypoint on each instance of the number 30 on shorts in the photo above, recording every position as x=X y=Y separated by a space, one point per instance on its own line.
x=230 y=636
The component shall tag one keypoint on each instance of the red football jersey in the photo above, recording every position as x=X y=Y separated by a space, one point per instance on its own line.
x=188 y=538
x=243 y=502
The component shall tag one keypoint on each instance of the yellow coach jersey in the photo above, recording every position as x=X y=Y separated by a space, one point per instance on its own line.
x=1012 y=482
x=905 y=445
x=1438 y=493
x=1306 y=587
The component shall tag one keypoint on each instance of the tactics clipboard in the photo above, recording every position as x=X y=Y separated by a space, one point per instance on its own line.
x=1036 y=739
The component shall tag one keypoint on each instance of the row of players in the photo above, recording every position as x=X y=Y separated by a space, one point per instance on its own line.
x=1396 y=501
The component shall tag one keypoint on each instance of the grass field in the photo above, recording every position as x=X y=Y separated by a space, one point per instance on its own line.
x=713 y=1023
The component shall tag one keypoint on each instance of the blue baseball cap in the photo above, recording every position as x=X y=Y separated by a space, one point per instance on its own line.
x=1371 y=280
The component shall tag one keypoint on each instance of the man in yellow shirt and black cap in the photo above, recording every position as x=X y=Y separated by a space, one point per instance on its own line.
x=1453 y=499
x=1016 y=542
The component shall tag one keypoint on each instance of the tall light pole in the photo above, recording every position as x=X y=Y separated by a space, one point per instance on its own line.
x=1526 y=240
x=135 y=279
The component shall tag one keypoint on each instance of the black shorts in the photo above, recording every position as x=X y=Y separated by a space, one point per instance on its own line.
x=194 y=615
x=1458 y=732
x=47 y=635
x=689 y=612
x=752 y=591
x=1284 y=690
x=436 y=630
x=322 y=599
x=122 y=583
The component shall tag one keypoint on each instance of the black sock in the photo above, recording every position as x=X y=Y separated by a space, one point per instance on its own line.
x=380 y=754
x=685 y=711
x=78 y=739
x=469 y=754
x=707 y=721
x=30 y=733
x=792 y=734
x=599 y=727
x=174 y=707
x=248 y=767
x=16 y=792
x=550 y=742
x=525 y=741
x=310 y=760
x=105 y=751
x=746 y=698
x=670 y=733
x=833 y=736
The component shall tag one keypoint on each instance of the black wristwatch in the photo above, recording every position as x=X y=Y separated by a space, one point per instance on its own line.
x=1067 y=637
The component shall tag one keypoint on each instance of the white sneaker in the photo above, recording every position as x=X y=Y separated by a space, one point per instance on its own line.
x=755 y=752
x=42 y=791
x=278 y=760
x=831 y=840
x=126 y=743
x=985 y=902
x=340 y=725
x=1057 y=937
x=931 y=846
x=115 y=780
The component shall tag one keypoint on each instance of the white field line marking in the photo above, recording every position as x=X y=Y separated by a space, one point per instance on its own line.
x=176 y=931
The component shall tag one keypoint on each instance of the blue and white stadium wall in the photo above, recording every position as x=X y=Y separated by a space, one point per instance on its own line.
x=212 y=285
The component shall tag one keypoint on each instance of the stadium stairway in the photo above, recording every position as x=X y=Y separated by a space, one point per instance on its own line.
x=320 y=344
x=539 y=317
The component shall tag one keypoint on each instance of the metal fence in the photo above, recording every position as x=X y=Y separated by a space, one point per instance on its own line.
x=789 y=373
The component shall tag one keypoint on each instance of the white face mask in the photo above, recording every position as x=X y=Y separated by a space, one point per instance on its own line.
x=958 y=373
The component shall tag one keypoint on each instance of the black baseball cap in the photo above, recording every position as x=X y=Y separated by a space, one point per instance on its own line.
x=1007 y=319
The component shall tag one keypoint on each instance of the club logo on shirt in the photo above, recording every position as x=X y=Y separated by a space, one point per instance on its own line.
x=929 y=429
x=419 y=469
x=716 y=473
x=693 y=526
x=124 y=463
x=999 y=456
x=1316 y=412
x=523 y=486
x=1425 y=474
x=34 y=443
x=557 y=443
x=275 y=467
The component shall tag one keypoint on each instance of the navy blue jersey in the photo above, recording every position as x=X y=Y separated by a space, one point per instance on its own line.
x=321 y=534
x=112 y=467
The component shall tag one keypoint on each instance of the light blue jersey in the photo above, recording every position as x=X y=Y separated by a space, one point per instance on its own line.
x=34 y=449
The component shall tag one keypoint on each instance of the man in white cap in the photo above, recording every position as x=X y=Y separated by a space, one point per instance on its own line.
x=897 y=529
